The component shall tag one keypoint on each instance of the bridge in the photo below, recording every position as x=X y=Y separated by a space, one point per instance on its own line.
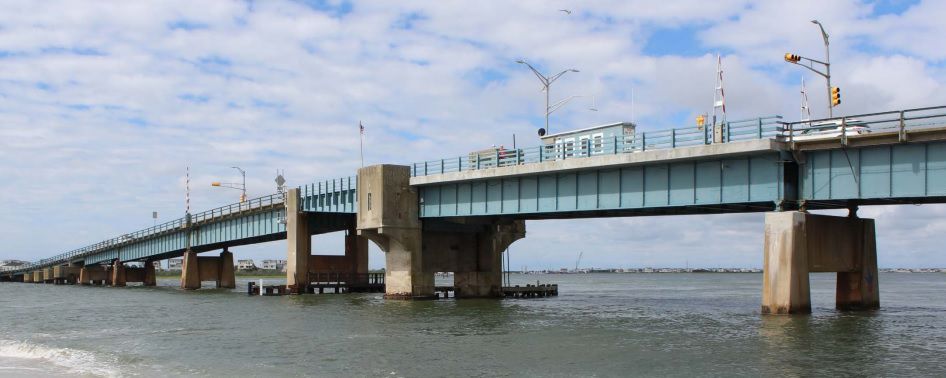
x=458 y=214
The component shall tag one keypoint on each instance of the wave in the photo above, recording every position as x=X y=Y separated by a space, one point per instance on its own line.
x=71 y=361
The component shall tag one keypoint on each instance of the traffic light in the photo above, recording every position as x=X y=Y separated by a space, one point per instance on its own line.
x=835 y=96
x=792 y=58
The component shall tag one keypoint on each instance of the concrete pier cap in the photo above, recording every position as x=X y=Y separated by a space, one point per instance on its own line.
x=797 y=243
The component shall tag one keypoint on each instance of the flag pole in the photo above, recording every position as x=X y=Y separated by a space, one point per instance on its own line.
x=361 y=143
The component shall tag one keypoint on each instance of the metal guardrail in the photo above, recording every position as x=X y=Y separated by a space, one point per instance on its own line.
x=756 y=128
x=770 y=127
x=174 y=225
x=899 y=121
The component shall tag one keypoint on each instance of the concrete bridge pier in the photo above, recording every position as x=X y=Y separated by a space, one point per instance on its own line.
x=387 y=215
x=472 y=251
x=798 y=243
x=302 y=267
x=352 y=267
x=48 y=275
x=197 y=269
x=63 y=275
x=92 y=275
x=118 y=273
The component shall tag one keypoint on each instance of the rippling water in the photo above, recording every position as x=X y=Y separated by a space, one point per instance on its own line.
x=599 y=325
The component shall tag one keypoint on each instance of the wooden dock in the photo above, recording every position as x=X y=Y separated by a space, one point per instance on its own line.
x=531 y=291
x=528 y=291
x=327 y=283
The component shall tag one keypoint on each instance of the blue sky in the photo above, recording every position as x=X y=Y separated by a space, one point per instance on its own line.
x=103 y=104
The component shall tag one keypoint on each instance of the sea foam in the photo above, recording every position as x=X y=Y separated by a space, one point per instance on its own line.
x=66 y=361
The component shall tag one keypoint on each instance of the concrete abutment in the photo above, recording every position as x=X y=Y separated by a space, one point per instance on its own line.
x=798 y=243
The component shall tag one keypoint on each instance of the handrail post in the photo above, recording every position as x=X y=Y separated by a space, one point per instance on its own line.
x=643 y=141
x=459 y=163
x=844 y=131
x=903 y=131
x=615 y=145
x=441 y=166
x=673 y=138
x=791 y=132
x=496 y=161
x=760 y=128
x=425 y=168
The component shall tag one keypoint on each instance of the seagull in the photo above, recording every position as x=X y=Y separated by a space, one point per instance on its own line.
x=565 y=10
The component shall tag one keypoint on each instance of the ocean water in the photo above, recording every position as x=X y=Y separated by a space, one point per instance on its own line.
x=600 y=325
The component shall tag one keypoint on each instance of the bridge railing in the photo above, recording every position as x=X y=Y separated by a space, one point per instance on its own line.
x=239 y=207
x=899 y=121
x=174 y=225
x=756 y=128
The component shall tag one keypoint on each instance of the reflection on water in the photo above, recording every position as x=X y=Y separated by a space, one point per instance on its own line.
x=600 y=324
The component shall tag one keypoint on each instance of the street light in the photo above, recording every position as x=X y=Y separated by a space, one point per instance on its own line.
x=795 y=59
x=233 y=185
x=546 y=82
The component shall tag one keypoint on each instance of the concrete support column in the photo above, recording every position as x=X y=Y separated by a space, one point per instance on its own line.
x=37 y=276
x=190 y=274
x=404 y=275
x=858 y=290
x=118 y=273
x=298 y=242
x=479 y=269
x=387 y=215
x=356 y=252
x=28 y=277
x=226 y=277
x=150 y=278
x=797 y=243
x=785 y=266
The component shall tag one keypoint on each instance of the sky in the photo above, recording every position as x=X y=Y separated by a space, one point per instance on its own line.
x=103 y=104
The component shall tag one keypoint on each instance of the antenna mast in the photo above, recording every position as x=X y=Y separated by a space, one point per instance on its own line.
x=805 y=110
x=719 y=97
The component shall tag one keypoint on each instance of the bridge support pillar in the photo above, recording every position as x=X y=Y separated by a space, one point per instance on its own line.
x=226 y=278
x=198 y=269
x=351 y=268
x=190 y=275
x=37 y=276
x=387 y=215
x=118 y=273
x=472 y=251
x=798 y=243
x=299 y=243
x=480 y=274
x=93 y=274
x=28 y=277
x=65 y=274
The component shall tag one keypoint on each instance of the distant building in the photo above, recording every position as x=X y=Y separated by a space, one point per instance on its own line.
x=157 y=265
x=11 y=264
x=175 y=264
x=279 y=265
x=246 y=265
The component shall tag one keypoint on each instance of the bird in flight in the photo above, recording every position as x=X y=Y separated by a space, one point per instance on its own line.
x=565 y=10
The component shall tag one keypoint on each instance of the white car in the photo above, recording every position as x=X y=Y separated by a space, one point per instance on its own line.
x=830 y=129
